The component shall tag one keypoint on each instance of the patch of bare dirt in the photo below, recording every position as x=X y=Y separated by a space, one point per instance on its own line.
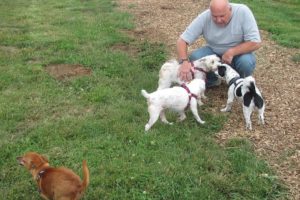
x=278 y=142
x=65 y=71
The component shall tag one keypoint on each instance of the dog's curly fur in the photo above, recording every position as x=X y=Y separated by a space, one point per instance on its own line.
x=176 y=98
x=245 y=90
x=169 y=71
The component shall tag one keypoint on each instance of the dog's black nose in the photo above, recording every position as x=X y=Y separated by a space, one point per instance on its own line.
x=19 y=159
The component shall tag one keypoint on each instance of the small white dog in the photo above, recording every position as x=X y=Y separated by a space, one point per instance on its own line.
x=177 y=98
x=245 y=90
x=169 y=71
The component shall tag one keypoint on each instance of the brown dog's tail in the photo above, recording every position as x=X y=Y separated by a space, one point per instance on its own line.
x=86 y=176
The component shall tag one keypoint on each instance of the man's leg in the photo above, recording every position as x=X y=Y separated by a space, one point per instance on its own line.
x=244 y=64
x=212 y=79
x=200 y=53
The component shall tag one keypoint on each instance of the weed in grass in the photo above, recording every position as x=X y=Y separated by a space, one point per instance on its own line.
x=296 y=58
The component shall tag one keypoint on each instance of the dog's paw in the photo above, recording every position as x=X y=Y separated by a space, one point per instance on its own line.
x=201 y=121
x=249 y=127
x=224 y=110
x=200 y=103
x=166 y=122
x=147 y=127
x=261 y=121
x=181 y=118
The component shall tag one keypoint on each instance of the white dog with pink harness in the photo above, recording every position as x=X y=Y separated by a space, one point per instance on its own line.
x=177 y=98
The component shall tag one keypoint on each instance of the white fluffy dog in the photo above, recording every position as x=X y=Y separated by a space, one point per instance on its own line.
x=168 y=73
x=177 y=98
x=245 y=90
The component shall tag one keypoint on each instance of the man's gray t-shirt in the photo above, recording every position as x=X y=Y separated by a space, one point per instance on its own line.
x=242 y=27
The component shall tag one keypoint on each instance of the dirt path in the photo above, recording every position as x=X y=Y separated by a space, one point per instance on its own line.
x=277 y=76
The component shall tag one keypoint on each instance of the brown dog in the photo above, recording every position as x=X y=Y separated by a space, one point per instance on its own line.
x=55 y=183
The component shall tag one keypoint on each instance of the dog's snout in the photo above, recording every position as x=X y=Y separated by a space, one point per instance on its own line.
x=20 y=160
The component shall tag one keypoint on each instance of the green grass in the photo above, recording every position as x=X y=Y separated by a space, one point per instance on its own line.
x=101 y=117
x=279 y=17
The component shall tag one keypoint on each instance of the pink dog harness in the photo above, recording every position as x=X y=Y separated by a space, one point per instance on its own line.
x=197 y=68
x=190 y=95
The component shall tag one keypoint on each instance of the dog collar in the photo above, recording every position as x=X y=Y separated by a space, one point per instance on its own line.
x=189 y=93
x=40 y=175
x=193 y=70
x=38 y=179
x=197 y=68
x=233 y=81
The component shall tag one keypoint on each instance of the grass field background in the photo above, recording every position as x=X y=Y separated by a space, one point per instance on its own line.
x=281 y=18
x=101 y=117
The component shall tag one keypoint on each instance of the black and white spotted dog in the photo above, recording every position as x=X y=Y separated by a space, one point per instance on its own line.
x=245 y=90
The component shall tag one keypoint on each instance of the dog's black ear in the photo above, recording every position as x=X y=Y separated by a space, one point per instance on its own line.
x=238 y=91
x=221 y=70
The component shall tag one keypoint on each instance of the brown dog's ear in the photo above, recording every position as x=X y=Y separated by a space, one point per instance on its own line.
x=44 y=159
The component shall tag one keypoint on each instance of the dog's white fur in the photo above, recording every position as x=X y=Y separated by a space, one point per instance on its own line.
x=175 y=98
x=169 y=71
x=245 y=90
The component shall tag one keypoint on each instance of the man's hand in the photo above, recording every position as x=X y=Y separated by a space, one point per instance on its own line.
x=185 y=71
x=228 y=56
x=242 y=48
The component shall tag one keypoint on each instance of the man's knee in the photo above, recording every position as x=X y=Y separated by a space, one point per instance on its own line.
x=200 y=53
x=245 y=64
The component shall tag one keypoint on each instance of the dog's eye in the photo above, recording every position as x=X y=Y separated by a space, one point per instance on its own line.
x=32 y=166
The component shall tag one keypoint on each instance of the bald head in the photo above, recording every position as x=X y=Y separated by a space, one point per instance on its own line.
x=219 y=4
x=220 y=11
